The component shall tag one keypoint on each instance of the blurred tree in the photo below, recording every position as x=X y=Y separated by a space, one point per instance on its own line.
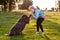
x=59 y=4
x=4 y=2
x=52 y=9
x=10 y=4
x=26 y=4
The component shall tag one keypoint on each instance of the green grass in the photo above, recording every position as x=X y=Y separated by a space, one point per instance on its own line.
x=51 y=27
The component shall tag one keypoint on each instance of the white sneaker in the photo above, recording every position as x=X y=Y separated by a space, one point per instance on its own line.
x=43 y=33
x=37 y=32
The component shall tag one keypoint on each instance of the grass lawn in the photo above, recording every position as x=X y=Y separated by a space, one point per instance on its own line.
x=51 y=27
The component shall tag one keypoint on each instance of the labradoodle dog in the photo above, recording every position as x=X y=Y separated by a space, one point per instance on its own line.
x=18 y=28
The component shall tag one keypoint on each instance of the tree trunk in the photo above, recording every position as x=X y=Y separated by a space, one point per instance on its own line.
x=10 y=5
x=5 y=6
x=59 y=5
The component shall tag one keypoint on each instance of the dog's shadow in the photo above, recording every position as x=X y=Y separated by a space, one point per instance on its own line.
x=22 y=37
x=19 y=37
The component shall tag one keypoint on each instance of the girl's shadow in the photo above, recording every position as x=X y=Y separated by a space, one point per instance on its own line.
x=45 y=37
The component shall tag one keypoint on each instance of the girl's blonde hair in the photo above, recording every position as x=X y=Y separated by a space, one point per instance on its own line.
x=31 y=7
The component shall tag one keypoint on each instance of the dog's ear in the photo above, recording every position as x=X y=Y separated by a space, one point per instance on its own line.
x=28 y=19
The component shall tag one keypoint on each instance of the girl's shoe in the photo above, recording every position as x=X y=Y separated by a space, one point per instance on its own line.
x=37 y=32
x=43 y=33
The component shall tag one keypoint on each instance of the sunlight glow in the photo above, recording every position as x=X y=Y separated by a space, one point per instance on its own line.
x=44 y=4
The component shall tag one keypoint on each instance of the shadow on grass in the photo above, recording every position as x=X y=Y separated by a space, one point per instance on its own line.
x=52 y=29
x=44 y=37
x=19 y=37
x=51 y=25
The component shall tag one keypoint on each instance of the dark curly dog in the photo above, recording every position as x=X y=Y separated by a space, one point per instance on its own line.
x=18 y=28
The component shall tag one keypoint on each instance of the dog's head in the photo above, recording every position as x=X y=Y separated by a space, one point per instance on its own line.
x=24 y=19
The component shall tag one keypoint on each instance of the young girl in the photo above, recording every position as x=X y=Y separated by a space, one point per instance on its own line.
x=39 y=16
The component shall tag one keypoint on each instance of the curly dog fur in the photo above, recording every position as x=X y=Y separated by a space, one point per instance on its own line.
x=18 y=28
